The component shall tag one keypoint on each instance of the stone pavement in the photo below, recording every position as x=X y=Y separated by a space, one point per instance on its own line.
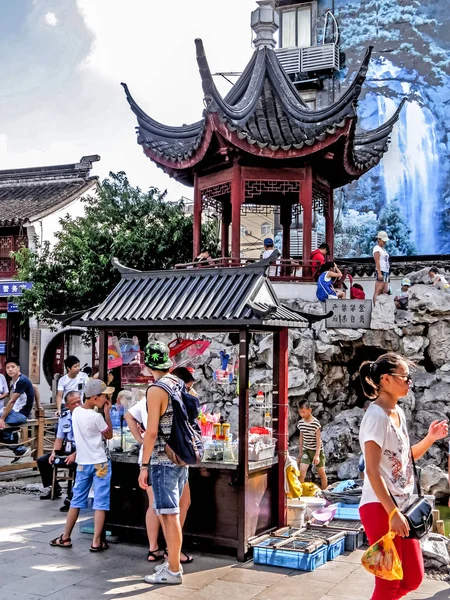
x=30 y=569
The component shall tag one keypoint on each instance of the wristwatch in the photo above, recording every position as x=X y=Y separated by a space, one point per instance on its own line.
x=144 y=466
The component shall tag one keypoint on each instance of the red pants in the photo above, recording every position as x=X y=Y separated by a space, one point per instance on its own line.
x=376 y=523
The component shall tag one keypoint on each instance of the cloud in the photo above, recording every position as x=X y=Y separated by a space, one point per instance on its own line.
x=51 y=19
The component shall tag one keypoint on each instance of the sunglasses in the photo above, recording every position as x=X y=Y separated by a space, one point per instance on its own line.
x=406 y=378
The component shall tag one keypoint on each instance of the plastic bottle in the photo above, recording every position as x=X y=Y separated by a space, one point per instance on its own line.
x=260 y=397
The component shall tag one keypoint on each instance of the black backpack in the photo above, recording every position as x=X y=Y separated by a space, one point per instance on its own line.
x=184 y=445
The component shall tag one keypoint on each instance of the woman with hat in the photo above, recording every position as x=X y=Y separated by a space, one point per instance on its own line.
x=381 y=258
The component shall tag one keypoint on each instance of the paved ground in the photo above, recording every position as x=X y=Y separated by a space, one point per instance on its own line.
x=30 y=569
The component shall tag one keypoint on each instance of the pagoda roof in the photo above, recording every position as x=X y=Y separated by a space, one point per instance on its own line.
x=35 y=192
x=264 y=115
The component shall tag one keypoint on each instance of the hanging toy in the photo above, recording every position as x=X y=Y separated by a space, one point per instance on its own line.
x=225 y=374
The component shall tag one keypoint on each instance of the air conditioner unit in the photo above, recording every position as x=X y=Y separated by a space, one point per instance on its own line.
x=314 y=58
x=320 y=58
x=289 y=59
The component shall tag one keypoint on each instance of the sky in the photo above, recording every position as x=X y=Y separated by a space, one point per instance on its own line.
x=62 y=61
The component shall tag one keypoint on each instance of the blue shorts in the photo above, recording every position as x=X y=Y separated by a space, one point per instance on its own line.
x=100 y=476
x=168 y=484
x=385 y=276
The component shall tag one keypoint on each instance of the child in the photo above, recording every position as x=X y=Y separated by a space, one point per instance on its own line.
x=438 y=280
x=401 y=299
x=310 y=445
x=91 y=431
x=325 y=288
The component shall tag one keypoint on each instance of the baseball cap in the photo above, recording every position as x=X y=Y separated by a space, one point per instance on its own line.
x=96 y=387
x=382 y=235
x=406 y=281
x=156 y=356
x=268 y=242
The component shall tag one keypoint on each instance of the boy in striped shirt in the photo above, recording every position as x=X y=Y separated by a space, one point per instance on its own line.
x=310 y=445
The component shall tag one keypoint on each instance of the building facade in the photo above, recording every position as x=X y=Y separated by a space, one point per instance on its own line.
x=32 y=201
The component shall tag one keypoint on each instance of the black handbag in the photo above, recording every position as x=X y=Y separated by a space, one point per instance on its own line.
x=419 y=513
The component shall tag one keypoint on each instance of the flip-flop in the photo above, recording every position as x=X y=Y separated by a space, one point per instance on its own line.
x=60 y=542
x=188 y=560
x=154 y=556
x=103 y=546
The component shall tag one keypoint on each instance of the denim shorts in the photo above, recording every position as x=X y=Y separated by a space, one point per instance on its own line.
x=100 y=476
x=168 y=484
x=384 y=274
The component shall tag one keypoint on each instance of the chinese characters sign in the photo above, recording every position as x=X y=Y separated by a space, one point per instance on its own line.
x=349 y=314
x=34 y=372
x=14 y=288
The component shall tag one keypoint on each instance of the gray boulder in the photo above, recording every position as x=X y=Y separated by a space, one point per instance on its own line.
x=349 y=468
x=426 y=298
x=439 y=347
x=434 y=548
x=434 y=480
x=383 y=313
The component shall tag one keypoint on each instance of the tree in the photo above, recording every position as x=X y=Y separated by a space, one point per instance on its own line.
x=392 y=222
x=140 y=229
x=355 y=234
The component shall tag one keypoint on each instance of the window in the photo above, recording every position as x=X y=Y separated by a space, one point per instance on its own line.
x=296 y=27
x=266 y=229
x=309 y=98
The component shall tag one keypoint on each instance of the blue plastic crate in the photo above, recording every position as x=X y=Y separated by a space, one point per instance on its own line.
x=335 y=540
x=347 y=511
x=290 y=554
x=286 y=532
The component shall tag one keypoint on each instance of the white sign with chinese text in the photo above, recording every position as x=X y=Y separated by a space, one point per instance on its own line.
x=349 y=314
x=35 y=346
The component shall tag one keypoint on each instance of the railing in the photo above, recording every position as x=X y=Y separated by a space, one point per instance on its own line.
x=8 y=244
x=282 y=269
x=37 y=434
x=313 y=58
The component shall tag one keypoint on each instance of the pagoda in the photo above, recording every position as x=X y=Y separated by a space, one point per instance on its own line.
x=261 y=147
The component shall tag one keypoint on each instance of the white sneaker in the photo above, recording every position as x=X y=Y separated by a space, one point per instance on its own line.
x=164 y=576
x=165 y=565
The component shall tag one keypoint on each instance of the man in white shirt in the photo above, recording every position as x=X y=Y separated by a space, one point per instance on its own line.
x=91 y=431
x=74 y=381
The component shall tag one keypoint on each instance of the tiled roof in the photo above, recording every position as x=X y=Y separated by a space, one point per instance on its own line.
x=193 y=298
x=32 y=193
x=267 y=114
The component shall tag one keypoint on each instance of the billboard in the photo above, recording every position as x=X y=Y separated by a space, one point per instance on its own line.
x=409 y=191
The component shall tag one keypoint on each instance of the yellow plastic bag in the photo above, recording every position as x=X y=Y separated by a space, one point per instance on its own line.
x=292 y=485
x=382 y=559
x=310 y=489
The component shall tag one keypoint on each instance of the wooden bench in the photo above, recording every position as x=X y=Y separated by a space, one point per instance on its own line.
x=38 y=434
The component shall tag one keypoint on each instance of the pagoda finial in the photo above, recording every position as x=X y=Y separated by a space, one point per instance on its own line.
x=265 y=21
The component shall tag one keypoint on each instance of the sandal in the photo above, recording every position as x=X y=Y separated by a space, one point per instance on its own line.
x=103 y=546
x=187 y=561
x=154 y=556
x=61 y=542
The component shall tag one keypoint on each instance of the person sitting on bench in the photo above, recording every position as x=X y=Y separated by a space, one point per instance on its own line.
x=63 y=448
x=18 y=408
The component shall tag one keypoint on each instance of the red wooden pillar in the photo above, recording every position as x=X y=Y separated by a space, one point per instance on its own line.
x=307 y=201
x=286 y=220
x=103 y=355
x=329 y=224
x=281 y=413
x=197 y=218
x=225 y=233
x=244 y=340
x=236 y=202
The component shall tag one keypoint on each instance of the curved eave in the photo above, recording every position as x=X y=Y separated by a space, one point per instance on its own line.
x=372 y=144
x=241 y=140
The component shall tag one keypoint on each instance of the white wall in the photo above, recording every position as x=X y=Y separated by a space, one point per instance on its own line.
x=46 y=227
x=307 y=291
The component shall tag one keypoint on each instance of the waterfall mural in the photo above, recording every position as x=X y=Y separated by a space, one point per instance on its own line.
x=411 y=58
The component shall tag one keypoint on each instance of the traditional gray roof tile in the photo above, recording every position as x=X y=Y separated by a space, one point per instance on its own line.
x=266 y=114
x=32 y=193
x=193 y=298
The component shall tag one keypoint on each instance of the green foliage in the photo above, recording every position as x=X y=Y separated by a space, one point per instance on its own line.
x=355 y=232
x=140 y=229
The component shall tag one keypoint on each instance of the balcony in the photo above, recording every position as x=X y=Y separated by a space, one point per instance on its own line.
x=8 y=244
x=324 y=57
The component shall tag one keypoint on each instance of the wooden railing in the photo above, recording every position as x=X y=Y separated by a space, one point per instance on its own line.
x=38 y=434
x=282 y=269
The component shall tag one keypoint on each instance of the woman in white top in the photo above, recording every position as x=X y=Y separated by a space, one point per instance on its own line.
x=381 y=258
x=387 y=451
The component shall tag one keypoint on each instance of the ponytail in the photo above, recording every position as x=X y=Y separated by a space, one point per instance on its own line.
x=371 y=372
